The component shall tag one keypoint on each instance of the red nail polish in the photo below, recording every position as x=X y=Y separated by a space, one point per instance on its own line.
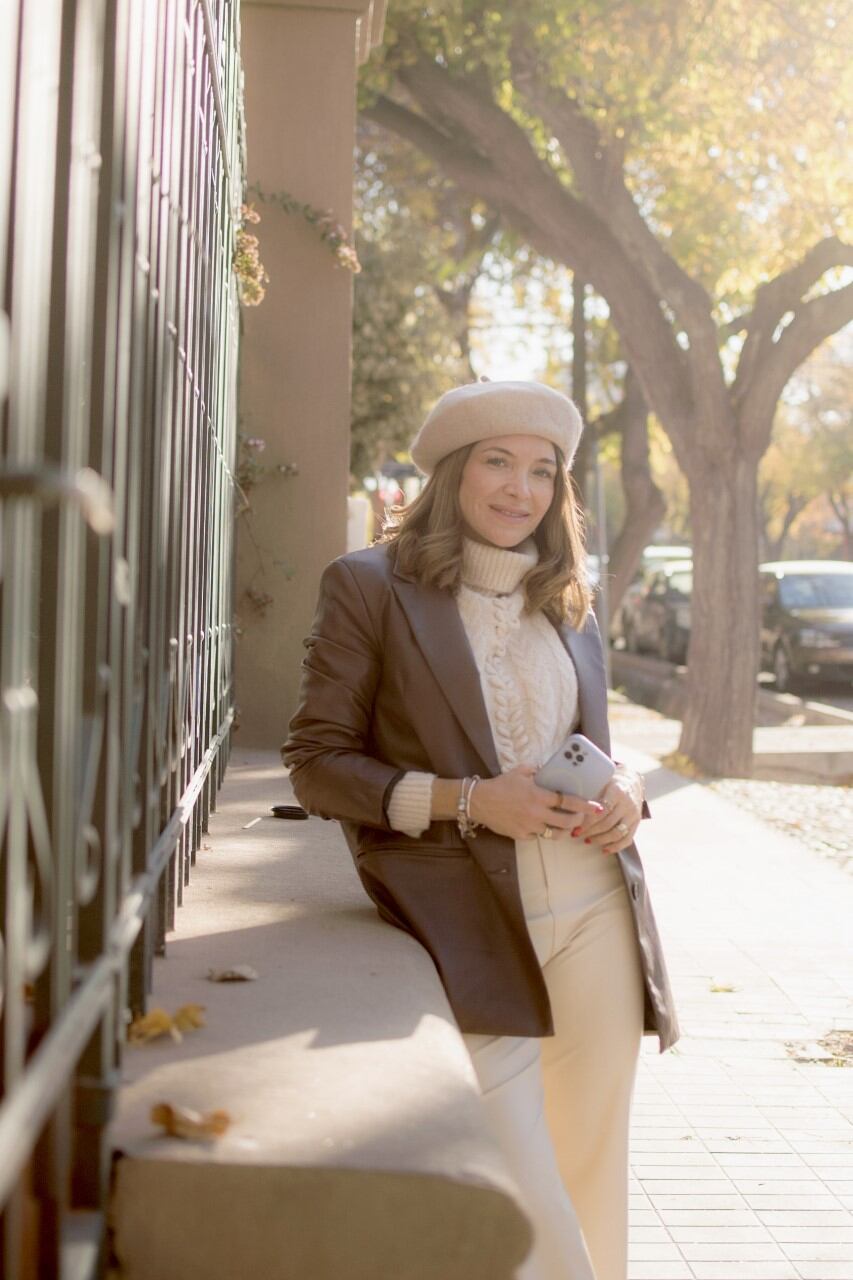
x=576 y=832
x=587 y=840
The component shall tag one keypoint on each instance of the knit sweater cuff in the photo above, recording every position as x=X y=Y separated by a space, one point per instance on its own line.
x=409 y=806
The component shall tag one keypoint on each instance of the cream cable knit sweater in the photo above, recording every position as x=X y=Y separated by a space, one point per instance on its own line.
x=527 y=677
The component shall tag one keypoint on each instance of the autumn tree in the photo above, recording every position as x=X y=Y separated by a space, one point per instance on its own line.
x=686 y=158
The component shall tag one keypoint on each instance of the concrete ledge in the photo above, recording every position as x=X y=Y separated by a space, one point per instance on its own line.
x=804 y=753
x=358 y=1146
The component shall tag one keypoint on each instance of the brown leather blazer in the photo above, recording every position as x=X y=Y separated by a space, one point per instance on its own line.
x=390 y=684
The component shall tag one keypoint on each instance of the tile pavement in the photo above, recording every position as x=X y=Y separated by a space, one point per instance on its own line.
x=742 y=1142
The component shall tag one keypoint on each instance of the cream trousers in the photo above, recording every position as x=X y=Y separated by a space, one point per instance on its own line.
x=559 y=1106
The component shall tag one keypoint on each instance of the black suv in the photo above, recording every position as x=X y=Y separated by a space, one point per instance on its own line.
x=807 y=621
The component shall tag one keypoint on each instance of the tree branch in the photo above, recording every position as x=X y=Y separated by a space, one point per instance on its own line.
x=490 y=155
x=456 y=159
x=598 y=166
x=812 y=324
x=773 y=300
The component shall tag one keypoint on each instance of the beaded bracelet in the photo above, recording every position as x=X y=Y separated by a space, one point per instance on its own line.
x=466 y=824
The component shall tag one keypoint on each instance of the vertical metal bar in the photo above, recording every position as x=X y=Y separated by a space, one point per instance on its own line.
x=63 y=740
x=97 y=1070
x=131 y=354
x=26 y=301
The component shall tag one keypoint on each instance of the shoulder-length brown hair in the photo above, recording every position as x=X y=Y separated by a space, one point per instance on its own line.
x=428 y=537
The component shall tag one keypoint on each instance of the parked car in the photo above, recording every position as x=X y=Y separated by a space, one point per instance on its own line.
x=654 y=557
x=657 y=620
x=807 y=621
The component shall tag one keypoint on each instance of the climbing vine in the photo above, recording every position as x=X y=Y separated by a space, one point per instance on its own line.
x=330 y=231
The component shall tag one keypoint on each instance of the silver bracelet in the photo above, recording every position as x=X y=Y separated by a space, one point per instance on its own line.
x=466 y=824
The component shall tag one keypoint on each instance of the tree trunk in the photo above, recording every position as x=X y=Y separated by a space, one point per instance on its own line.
x=722 y=659
x=841 y=506
x=775 y=546
x=586 y=450
x=645 y=506
x=457 y=304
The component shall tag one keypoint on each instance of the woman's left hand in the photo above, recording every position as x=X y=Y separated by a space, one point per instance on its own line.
x=622 y=798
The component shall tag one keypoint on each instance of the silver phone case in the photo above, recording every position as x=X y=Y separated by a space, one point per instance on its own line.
x=578 y=768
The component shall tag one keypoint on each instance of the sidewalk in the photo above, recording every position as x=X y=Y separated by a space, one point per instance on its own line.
x=742 y=1156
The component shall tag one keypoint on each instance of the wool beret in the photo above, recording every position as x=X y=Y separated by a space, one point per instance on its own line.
x=483 y=409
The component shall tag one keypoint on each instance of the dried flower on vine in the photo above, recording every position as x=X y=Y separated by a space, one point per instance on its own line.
x=252 y=276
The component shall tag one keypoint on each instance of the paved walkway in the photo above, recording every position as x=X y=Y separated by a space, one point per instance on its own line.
x=743 y=1135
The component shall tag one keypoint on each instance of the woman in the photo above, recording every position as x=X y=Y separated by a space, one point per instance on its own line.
x=445 y=665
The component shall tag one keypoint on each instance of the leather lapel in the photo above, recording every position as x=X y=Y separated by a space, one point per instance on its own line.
x=440 y=635
x=585 y=651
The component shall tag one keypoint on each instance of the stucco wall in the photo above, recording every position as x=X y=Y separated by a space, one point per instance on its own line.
x=300 y=69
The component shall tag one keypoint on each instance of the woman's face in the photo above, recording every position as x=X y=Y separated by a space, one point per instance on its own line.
x=507 y=486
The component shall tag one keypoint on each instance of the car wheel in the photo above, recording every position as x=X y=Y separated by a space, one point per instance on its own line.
x=786 y=681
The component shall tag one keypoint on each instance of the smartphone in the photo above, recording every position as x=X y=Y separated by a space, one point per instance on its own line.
x=577 y=768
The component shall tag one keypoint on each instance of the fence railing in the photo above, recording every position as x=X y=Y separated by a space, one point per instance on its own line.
x=121 y=163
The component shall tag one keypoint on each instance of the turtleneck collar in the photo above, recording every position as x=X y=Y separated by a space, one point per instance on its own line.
x=497 y=570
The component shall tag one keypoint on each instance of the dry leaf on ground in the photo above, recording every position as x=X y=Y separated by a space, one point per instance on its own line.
x=183 y=1122
x=148 y=1026
x=189 y=1017
x=157 y=1022
x=236 y=973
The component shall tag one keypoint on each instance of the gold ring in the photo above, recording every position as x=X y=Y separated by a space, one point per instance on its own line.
x=621 y=828
x=547 y=834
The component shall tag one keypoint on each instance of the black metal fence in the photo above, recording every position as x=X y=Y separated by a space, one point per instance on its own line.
x=121 y=168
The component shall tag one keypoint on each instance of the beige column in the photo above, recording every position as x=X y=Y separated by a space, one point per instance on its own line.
x=300 y=65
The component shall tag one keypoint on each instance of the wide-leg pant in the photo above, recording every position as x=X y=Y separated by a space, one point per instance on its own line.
x=560 y=1106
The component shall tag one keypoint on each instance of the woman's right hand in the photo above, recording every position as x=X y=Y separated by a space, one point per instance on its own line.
x=513 y=805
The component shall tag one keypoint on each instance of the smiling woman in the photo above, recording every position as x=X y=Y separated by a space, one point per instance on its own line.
x=445 y=665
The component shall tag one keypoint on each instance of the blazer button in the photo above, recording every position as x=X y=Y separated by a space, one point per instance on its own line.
x=503 y=871
x=635 y=891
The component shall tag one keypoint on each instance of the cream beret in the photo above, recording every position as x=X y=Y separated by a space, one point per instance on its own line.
x=483 y=409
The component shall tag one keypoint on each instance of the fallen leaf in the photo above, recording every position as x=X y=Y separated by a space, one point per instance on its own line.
x=183 y=1122
x=237 y=973
x=157 y=1022
x=189 y=1017
x=680 y=763
x=148 y=1026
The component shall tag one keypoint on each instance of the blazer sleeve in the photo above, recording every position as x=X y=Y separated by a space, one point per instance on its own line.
x=332 y=771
